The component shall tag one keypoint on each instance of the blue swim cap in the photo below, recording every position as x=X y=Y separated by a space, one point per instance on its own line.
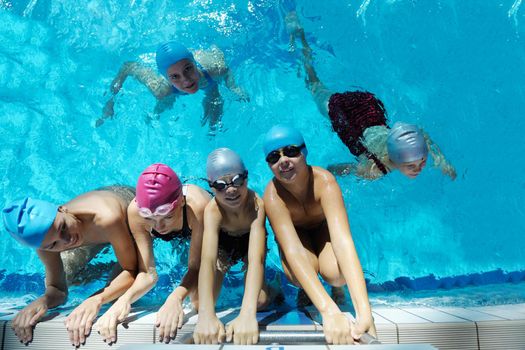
x=170 y=53
x=406 y=143
x=223 y=161
x=28 y=220
x=280 y=136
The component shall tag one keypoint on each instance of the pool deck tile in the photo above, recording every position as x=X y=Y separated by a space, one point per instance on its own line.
x=442 y=335
x=469 y=314
x=509 y=312
x=397 y=315
x=508 y=335
x=432 y=315
x=487 y=327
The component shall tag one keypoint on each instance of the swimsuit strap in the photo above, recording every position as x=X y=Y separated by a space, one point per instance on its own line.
x=209 y=79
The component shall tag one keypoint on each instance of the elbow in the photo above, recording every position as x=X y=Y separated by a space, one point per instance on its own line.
x=150 y=278
x=153 y=278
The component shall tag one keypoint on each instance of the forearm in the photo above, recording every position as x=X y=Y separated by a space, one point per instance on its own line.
x=206 y=283
x=53 y=297
x=253 y=285
x=346 y=255
x=116 y=288
x=142 y=285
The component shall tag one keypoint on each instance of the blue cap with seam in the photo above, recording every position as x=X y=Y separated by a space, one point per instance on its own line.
x=169 y=53
x=28 y=220
x=281 y=136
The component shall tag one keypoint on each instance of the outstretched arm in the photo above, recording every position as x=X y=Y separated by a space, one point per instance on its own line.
x=439 y=159
x=346 y=254
x=171 y=314
x=79 y=322
x=365 y=169
x=244 y=329
x=157 y=85
x=209 y=329
x=144 y=281
x=55 y=294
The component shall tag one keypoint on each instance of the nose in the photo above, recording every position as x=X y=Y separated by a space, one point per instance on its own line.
x=231 y=189
x=284 y=159
x=159 y=225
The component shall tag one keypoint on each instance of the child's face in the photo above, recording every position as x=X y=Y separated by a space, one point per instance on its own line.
x=286 y=167
x=64 y=234
x=234 y=193
x=164 y=224
x=412 y=169
x=184 y=76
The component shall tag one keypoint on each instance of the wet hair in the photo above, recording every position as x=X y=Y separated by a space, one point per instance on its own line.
x=351 y=112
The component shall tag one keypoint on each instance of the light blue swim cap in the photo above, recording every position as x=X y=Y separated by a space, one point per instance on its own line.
x=169 y=53
x=223 y=161
x=28 y=220
x=280 y=136
x=406 y=143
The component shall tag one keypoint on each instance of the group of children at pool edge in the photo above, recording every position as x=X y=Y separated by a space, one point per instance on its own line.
x=303 y=203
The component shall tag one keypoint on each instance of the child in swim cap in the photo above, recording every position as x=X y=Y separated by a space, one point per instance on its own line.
x=234 y=232
x=306 y=211
x=181 y=73
x=66 y=238
x=165 y=209
x=359 y=119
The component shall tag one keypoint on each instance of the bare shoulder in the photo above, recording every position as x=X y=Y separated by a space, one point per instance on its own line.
x=270 y=192
x=323 y=176
x=197 y=198
x=107 y=207
x=212 y=210
x=325 y=183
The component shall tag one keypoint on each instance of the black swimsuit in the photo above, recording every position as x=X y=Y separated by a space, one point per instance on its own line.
x=235 y=248
x=350 y=121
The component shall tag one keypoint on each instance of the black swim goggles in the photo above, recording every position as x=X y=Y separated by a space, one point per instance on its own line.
x=236 y=181
x=291 y=151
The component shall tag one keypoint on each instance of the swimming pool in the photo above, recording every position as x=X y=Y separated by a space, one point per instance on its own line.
x=455 y=68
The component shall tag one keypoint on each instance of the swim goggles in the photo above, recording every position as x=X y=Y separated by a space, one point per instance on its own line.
x=161 y=210
x=236 y=181
x=291 y=151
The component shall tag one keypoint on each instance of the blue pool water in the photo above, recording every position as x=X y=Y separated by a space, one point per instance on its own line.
x=456 y=68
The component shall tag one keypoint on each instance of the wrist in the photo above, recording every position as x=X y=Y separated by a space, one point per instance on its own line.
x=96 y=299
x=330 y=310
x=179 y=293
x=248 y=312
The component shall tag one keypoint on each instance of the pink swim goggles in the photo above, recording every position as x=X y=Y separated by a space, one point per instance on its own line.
x=161 y=210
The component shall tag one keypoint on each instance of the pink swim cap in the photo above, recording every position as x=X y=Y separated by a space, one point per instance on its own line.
x=157 y=185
